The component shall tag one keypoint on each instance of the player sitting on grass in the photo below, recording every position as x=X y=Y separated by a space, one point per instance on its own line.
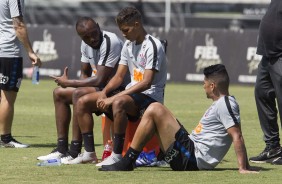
x=206 y=146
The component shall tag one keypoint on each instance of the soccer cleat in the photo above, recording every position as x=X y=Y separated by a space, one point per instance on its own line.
x=146 y=159
x=85 y=157
x=13 y=144
x=113 y=158
x=66 y=159
x=118 y=166
x=55 y=154
x=277 y=161
x=267 y=155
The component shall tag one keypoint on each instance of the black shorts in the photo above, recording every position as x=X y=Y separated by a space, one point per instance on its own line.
x=11 y=73
x=181 y=154
x=109 y=114
x=142 y=101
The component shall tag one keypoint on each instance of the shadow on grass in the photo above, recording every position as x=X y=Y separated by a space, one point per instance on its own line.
x=236 y=169
x=50 y=145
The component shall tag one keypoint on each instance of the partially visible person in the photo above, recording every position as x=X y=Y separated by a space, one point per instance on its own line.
x=100 y=53
x=144 y=57
x=268 y=89
x=13 y=33
x=208 y=143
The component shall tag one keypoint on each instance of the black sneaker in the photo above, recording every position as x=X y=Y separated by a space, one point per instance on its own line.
x=277 y=161
x=267 y=155
x=122 y=165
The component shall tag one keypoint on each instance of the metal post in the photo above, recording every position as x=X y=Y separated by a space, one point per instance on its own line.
x=167 y=15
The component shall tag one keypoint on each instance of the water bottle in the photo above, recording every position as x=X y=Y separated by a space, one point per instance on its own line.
x=35 y=75
x=107 y=149
x=50 y=162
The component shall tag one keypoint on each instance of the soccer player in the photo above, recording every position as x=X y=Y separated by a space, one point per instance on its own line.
x=100 y=53
x=13 y=32
x=208 y=143
x=144 y=57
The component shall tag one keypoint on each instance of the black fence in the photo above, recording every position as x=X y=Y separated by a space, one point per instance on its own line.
x=188 y=52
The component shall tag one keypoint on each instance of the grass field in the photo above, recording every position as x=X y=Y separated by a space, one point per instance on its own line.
x=34 y=123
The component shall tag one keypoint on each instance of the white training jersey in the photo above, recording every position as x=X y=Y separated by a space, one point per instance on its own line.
x=149 y=55
x=10 y=45
x=107 y=55
x=210 y=137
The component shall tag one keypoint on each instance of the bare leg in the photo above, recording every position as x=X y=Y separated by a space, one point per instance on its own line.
x=62 y=100
x=79 y=92
x=85 y=106
x=157 y=119
x=7 y=102
x=121 y=107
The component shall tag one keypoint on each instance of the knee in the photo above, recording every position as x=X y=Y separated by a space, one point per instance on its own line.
x=81 y=103
x=155 y=109
x=57 y=93
x=76 y=95
x=119 y=103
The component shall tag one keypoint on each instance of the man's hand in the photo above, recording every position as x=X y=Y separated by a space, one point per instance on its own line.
x=103 y=104
x=61 y=81
x=35 y=60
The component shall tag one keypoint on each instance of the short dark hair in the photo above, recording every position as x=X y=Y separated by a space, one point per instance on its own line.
x=218 y=74
x=82 y=21
x=128 y=15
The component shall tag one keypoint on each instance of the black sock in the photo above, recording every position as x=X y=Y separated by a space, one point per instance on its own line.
x=88 y=139
x=62 y=145
x=118 y=143
x=6 y=138
x=131 y=155
x=75 y=148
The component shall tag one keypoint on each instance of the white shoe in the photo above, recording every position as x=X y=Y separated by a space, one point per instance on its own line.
x=85 y=157
x=13 y=144
x=66 y=159
x=113 y=158
x=55 y=154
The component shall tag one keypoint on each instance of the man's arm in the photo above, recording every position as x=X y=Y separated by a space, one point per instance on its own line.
x=116 y=80
x=100 y=79
x=140 y=86
x=86 y=70
x=22 y=35
x=240 y=150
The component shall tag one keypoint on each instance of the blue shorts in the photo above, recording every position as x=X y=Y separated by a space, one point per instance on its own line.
x=11 y=73
x=180 y=155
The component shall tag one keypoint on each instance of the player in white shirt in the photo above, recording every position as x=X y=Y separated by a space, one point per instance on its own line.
x=208 y=143
x=100 y=54
x=13 y=33
x=144 y=57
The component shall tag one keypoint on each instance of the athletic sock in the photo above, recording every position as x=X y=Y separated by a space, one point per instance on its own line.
x=6 y=138
x=88 y=139
x=62 y=145
x=118 y=143
x=131 y=155
x=75 y=148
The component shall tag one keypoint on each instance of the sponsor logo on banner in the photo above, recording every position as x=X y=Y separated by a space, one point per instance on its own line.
x=205 y=55
x=46 y=48
x=253 y=61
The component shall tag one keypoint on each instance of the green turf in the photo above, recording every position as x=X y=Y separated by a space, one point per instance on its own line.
x=34 y=124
